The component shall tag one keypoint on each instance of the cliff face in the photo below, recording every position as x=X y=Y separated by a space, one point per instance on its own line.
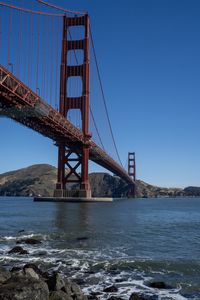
x=40 y=180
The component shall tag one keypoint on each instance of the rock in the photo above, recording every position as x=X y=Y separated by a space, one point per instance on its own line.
x=115 y=298
x=79 y=281
x=136 y=296
x=84 y=238
x=73 y=290
x=23 y=288
x=4 y=275
x=18 y=250
x=30 y=272
x=15 y=269
x=55 y=282
x=92 y=297
x=29 y=242
x=34 y=267
x=111 y=289
x=93 y=280
x=159 y=285
x=59 y=295
x=20 y=231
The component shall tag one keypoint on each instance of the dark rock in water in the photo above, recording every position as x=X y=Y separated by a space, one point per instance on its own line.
x=92 y=297
x=59 y=295
x=111 y=289
x=84 y=238
x=19 y=288
x=55 y=282
x=93 y=280
x=4 y=275
x=159 y=285
x=79 y=281
x=29 y=242
x=136 y=296
x=18 y=250
x=20 y=231
x=115 y=298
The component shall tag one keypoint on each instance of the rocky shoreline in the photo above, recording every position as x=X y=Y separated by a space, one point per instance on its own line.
x=31 y=283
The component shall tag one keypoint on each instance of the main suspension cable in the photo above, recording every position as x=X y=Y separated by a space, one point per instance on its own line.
x=30 y=11
x=103 y=95
x=61 y=8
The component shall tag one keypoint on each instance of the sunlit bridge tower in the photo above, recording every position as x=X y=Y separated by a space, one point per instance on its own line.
x=132 y=172
x=73 y=162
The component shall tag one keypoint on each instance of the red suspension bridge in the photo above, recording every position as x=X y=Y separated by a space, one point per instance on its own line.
x=54 y=99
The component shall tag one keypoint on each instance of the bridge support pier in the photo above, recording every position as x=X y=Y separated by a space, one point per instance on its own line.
x=73 y=158
x=132 y=173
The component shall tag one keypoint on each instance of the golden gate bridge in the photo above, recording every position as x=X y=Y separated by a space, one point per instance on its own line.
x=45 y=84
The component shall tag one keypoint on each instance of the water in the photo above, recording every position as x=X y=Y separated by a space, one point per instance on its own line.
x=127 y=243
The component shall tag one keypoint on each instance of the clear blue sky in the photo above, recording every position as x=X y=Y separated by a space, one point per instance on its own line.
x=149 y=56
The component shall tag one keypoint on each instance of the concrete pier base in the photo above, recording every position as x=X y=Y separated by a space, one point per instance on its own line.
x=72 y=199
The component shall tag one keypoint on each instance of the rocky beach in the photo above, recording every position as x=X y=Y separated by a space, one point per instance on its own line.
x=30 y=282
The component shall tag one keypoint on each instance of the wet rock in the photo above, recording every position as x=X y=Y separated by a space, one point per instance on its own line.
x=4 y=275
x=159 y=285
x=111 y=289
x=59 y=295
x=93 y=280
x=18 y=250
x=115 y=298
x=20 y=231
x=31 y=273
x=34 y=268
x=79 y=281
x=55 y=282
x=83 y=238
x=72 y=289
x=19 y=288
x=29 y=241
x=15 y=269
x=136 y=296
x=92 y=297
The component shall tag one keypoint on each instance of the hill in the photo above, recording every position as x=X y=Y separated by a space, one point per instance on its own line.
x=40 y=180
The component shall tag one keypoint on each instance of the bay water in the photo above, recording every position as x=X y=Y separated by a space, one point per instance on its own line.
x=126 y=243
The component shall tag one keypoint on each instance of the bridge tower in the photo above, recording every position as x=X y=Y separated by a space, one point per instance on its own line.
x=132 y=172
x=69 y=160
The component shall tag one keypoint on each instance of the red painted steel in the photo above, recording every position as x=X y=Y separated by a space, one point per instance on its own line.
x=81 y=152
x=21 y=104
x=132 y=172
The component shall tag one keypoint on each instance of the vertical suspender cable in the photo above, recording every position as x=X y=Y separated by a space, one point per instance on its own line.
x=19 y=44
x=10 y=35
x=51 y=50
x=30 y=50
x=38 y=55
x=103 y=96
x=57 y=71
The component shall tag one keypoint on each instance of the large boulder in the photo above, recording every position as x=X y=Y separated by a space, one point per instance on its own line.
x=111 y=289
x=18 y=250
x=24 y=288
x=29 y=241
x=59 y=295
x=159 y=285
x=73 y=290
x=4 y=275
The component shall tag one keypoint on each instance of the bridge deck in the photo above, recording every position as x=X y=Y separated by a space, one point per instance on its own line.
x=21 y=104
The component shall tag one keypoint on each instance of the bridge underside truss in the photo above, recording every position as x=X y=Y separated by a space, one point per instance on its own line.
x=21 y=104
